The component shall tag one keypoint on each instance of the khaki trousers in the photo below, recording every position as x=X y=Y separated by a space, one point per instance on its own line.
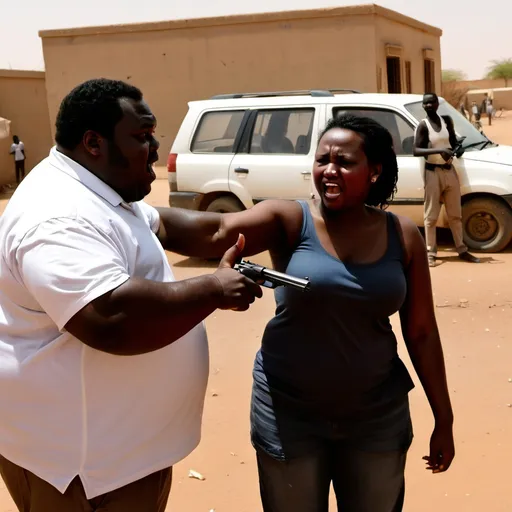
x=32 y=494
x=443 y=184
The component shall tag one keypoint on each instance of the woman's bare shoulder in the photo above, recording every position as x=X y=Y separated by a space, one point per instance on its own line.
x=412 y=241
x=408 y=226
x=290 y=217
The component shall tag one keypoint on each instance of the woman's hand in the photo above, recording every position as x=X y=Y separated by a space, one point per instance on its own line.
x=442 y=450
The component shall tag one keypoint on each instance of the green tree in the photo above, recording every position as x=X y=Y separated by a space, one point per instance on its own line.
x=453 y=75
x=500 y=70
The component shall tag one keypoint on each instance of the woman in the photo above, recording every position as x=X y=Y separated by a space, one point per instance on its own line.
x=329 y=399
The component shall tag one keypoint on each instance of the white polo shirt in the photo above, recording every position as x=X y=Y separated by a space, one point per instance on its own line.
x=66 y=409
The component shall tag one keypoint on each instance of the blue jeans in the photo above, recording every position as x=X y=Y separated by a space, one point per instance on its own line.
x=300 y=454
x=363 y=481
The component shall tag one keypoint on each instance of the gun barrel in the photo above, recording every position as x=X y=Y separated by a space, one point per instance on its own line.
x=271 y=278
x=285 y=279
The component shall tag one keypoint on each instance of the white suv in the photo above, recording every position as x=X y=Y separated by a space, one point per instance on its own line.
x=237 y=149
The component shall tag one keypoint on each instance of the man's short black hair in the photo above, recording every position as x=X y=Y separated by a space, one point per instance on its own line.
x=433 y=94
x=92 y=105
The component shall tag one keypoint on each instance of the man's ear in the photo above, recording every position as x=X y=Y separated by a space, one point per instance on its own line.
x=92 y=142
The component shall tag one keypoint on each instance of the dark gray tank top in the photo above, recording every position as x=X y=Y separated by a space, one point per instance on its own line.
x=331 y=351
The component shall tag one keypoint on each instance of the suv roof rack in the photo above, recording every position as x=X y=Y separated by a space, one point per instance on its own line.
x=315 y=93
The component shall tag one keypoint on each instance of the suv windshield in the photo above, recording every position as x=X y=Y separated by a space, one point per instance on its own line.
x=474 y=139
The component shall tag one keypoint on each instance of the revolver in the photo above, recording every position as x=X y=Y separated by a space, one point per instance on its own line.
x=458 y=146
x=271 y=278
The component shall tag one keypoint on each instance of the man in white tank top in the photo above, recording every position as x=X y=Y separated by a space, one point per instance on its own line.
x=435 y=141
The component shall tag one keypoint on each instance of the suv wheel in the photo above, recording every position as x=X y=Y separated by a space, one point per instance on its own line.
x=487 y=224
x=225 y=205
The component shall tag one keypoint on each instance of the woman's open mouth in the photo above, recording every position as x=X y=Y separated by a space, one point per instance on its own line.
x=332 y=190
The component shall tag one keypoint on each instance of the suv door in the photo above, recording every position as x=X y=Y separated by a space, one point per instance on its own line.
x=212 y=148
x=276 y=155
x=409 y=197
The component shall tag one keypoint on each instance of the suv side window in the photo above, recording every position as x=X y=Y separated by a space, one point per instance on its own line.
x=401 y=130
x=283 y=131
x=217 y=131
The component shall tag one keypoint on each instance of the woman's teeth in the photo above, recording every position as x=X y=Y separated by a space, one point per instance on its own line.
x=332 y=190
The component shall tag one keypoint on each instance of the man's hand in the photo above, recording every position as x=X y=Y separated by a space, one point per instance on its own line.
x=238 y=292
x=442 y=450
x=447 y=154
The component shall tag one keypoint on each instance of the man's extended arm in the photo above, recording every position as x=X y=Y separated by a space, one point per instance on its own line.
x=79 y=276
x=141 y=316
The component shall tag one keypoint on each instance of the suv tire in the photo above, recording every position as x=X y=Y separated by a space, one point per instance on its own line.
x=487 y=224
x=225 y=205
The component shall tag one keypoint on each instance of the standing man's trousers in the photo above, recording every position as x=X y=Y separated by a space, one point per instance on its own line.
x=443 y=184
x=32 y=494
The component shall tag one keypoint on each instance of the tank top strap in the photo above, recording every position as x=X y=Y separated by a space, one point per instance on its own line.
x=444 y=126
x=395 y=244
x=430 y=128
x=308 y=225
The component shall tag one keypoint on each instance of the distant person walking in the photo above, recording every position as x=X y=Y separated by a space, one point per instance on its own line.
x=487 y=107
x=475 y=111
x=436 y=141
x=18 y=150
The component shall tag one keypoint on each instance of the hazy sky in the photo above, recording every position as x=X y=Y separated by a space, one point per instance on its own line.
x=474 y=33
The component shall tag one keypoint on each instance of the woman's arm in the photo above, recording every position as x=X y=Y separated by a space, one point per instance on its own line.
x=266 y=226
x=421 y=335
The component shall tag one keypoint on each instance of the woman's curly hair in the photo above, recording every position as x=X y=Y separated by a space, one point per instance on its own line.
x=378 y=148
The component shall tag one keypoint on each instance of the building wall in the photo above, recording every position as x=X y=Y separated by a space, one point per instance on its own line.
x=23 y=101
x=411 y=41
x=178 y=61
x=484 y=84
x=173 y=67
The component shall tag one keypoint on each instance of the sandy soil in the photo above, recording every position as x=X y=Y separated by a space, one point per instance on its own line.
x=474 y=310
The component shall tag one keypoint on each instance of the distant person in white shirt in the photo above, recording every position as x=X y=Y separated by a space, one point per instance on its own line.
x=487 y=107
x=18 y=150
x=103 y=354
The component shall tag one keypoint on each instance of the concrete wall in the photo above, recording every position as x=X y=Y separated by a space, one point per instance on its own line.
x=484 y=84
x=179 y=61
x=23 y=100
x=174 y=67
x=412 y=42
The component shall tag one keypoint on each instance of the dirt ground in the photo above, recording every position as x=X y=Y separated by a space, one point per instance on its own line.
x=474 y=311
